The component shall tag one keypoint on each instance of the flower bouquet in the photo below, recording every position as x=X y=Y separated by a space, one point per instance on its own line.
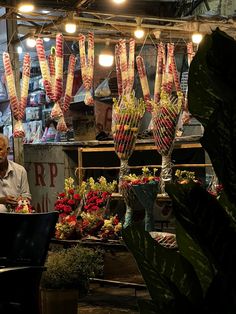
x=111 y=228
x=68 y=227
x=24 y=206
x=140 y=194
x=68 y=204
x=82 y=208
x=68 y=201
x=166 y=109
x=126 y=117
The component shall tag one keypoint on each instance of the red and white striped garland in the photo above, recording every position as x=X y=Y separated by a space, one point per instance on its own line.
x=87 y=66
x=17 y=107
x=144 y=82
x=125 y=66
x=69 y=83
x=52 y=73
x=159 y=74
x=118 y=70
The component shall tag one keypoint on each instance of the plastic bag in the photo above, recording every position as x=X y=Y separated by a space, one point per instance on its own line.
x=103 y=89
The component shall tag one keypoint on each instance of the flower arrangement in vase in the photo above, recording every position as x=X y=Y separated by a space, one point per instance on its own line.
x=140 y=192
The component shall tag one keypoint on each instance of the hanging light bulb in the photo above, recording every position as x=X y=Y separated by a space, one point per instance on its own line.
x=46 y=39
x=70 y=26
x=119 y=1
x=26 y=7
x=139 y=32
x=197 y=38
x=31 y=42
x=19 y=50
x=106 y=56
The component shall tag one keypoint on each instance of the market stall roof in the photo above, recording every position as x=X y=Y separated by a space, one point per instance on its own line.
x=162 y=19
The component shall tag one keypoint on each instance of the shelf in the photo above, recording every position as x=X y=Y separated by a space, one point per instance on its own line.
x=4 y=101
x=160 y=197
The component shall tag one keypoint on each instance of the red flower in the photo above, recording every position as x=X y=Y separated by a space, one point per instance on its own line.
x=71 y=202
x=62 y=194
x=71 y=191
x=77 y=197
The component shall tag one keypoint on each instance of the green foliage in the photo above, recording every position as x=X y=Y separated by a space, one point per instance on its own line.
x=200 y=277
x=71 y=268
x=170 y=278
x=211 y=98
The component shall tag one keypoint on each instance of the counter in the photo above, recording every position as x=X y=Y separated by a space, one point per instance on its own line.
x=48 y=164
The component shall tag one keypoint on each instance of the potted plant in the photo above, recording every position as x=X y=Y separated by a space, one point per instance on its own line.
x=67 y=275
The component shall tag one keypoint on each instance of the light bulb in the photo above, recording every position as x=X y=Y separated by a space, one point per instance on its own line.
x=139 y=33
x=105 y=59
x=46 y=39
x=70 y=28
x=19 y=49
x=26 y=7
x=118 y=1
x=31 y=42
x=196 y=38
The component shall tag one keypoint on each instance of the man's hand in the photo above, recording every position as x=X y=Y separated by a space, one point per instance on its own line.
x=9 y=200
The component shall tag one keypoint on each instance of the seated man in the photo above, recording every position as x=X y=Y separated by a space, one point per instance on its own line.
x=13 y=179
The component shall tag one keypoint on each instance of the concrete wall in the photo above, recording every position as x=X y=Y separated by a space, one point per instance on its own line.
x=47 y=167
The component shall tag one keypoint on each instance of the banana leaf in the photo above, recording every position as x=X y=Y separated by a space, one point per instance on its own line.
x=211 y=99
x=207 y=222
x=170 y=278
x=194 y=254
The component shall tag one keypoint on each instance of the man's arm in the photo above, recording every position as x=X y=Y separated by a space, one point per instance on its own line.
x=25 y=191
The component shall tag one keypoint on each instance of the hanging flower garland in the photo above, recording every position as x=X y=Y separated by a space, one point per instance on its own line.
x=125 y=67
x=17 y=107
x=52 y=73
x=87 y=66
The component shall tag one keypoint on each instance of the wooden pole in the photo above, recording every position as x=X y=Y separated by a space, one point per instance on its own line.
x=12 y=36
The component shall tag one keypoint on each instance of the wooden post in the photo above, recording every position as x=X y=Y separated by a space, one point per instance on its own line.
x=12 y=35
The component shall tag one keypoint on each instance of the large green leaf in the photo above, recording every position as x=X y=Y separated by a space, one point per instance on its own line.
x=170 y=278
x=207 y=223
x=228 y=206
x=211 y=97
x=193 y=253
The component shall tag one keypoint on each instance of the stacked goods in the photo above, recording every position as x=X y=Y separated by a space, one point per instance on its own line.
x=17 y=107
x=125 y=67
x=87 y=66
x=126 y=118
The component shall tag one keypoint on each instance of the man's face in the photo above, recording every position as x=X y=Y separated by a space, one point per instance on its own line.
x=4 y=150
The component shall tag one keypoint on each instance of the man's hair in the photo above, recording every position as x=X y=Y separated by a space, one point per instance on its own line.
x=4 y=139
